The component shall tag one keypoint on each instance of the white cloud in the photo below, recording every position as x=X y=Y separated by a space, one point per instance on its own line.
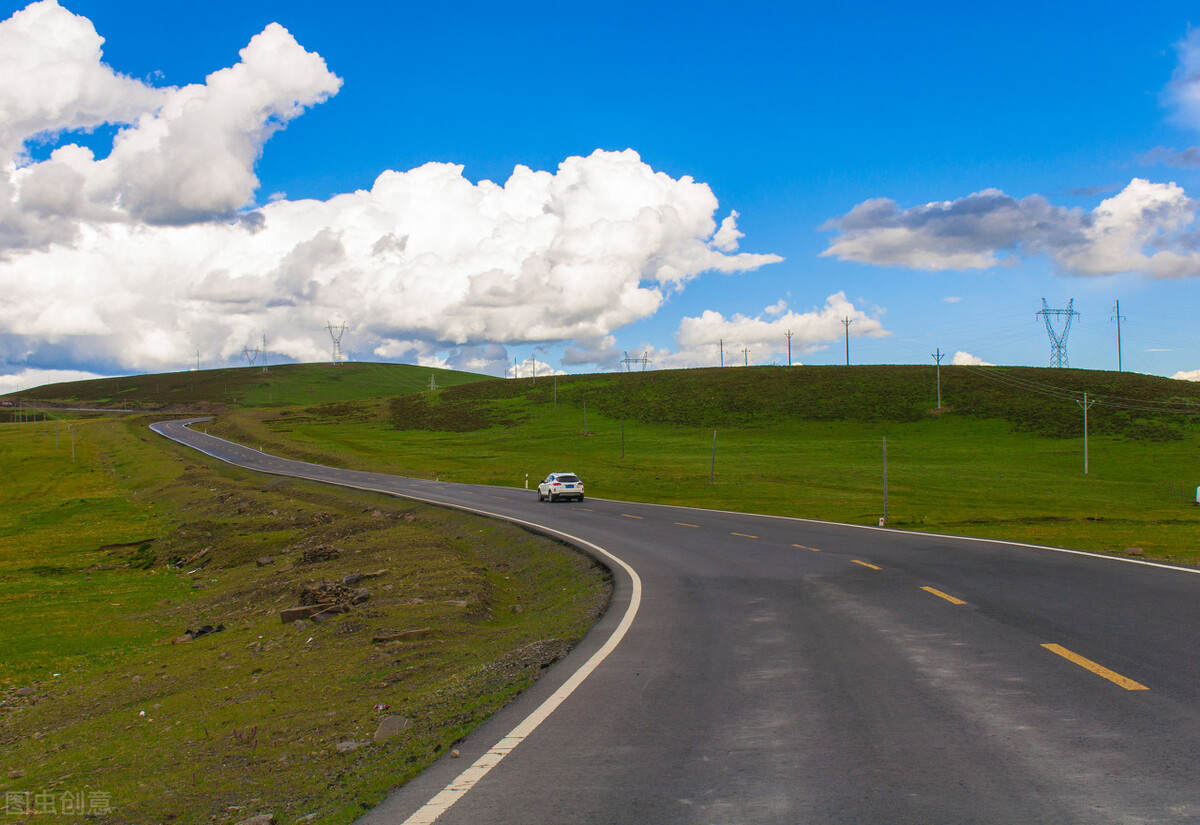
x=30 y=378
x=1187 y=375
x=1146 y=228
x=700 y=339
x=952 y=299
x=966 y=359
x=138 y=259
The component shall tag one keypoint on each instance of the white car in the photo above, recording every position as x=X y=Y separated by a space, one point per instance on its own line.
x=560 y=485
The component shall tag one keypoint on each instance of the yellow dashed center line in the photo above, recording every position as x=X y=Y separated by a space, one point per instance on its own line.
x=1099 y=670
x=744 y=535
x=942 y=595
x=626 y=515
x=803 y=547
x=682 y=524
x=864 y=564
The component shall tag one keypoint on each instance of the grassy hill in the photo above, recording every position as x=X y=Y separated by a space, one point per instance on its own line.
x=1029 y=399
x=240 y=387
x=1003 y=457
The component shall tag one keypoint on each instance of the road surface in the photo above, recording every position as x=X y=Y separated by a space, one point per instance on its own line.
x=757 y=669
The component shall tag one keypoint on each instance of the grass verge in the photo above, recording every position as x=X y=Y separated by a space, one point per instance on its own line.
x=108 y=704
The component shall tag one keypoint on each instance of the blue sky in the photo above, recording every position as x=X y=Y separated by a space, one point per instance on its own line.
x=792 y=117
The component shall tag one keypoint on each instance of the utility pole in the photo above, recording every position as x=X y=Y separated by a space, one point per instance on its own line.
x=1085 y=404
x=789 y=337
x=712 y=471
x=746 y=353
x=1117 y=317
x=883 y=520
x=722 y=345
x=938 y=355
x=847 y=322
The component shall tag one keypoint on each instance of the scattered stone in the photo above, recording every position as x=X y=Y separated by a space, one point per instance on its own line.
x=518 y=609
x=136 y=679
x=399 y=635
x=26 y=691
x=352 y=579
x=330 y=611
x=332 y=593
x=326 y=552
x=204 y=631
x=347 y=747
x=224 y=654
x=321 y=518
x=457 y=602
x=263 y=561
x=300 y=624
x=292 y=614
x=261 y=819
x=392 y=726
x=1134 y=551
x=454 y=754
x=16 y=774
x=375 y=574
x=181 y=640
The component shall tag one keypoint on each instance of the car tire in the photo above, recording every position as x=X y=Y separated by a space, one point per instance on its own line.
x=581 y=498
x=540 y=496
x=551 y=495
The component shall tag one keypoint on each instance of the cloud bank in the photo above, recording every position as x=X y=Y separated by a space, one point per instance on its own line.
x=702 y=339
x=138 y=259
x=1147 y=228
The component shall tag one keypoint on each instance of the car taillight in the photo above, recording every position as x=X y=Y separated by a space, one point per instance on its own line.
x=556 y=484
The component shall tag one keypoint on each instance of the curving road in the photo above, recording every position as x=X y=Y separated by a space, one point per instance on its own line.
x=756 y=669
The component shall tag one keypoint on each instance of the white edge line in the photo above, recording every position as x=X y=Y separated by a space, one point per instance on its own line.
x=465 y=781
x=1088 y=553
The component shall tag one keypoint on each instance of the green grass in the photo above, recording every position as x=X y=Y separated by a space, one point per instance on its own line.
x=281 y=385
x=248 y=720
x=999 y=461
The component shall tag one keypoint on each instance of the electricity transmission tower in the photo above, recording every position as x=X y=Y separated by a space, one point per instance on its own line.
x=251 y=355
x=629 y=360
x=1058 y=340
x=335 y=333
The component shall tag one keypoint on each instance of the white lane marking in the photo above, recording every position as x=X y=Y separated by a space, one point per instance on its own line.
x=465 y=781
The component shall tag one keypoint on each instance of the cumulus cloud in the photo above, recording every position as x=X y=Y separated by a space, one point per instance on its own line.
x=701 y=339
x=966 y=359
x=189 y=153
x=144 y=256
x=30 y=378
x=1187 y=375
x=1147 y=228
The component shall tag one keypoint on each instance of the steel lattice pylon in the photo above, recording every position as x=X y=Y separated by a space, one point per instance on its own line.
x=1058 y=340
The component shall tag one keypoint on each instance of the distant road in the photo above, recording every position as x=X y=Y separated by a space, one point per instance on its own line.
x=756 y=669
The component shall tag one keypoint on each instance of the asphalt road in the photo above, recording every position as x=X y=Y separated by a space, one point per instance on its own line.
x=755 y=669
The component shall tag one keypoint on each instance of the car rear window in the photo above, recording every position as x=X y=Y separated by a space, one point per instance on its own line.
x=567 y=479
